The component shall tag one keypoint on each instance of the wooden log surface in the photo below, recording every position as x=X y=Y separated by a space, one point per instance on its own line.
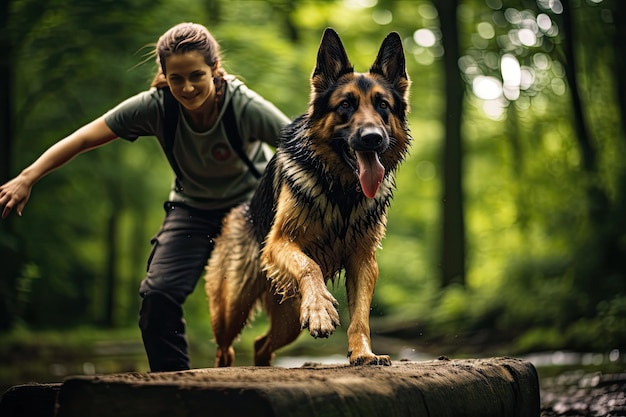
x=455 y=388
x=30 y=400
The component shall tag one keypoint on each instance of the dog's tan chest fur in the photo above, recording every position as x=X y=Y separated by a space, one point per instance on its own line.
x=326 y=234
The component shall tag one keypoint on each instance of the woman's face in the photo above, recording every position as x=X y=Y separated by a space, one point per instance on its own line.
x=190 y=79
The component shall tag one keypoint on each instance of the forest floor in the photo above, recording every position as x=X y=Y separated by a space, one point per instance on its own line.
x=579 y=394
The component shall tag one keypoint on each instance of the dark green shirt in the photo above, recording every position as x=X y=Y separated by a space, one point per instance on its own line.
x=213 y=175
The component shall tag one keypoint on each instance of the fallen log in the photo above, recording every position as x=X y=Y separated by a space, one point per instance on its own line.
x=452 y=388
x=30 y=400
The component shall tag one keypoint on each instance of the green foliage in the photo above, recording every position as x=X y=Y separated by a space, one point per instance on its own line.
x=606 y=328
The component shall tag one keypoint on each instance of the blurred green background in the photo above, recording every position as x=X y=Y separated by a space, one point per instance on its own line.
x=507 y=234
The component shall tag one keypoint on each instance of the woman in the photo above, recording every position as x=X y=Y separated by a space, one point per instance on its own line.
x=184 y=109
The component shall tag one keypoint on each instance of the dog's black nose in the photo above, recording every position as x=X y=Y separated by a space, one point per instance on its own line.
x=372 y=139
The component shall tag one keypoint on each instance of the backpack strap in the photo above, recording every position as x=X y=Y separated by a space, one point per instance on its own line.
x=171 y=114
x=235 y=140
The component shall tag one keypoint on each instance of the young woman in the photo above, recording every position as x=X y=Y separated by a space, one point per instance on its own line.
x=211 y=177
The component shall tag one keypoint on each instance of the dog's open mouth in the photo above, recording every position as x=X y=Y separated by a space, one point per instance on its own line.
x=370 y=172
x=366 y=166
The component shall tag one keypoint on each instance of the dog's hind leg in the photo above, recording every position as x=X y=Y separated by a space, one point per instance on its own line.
x=227 y=321
x=233 y=283
x=230 y=306
x=284 y=328
x=361 y=277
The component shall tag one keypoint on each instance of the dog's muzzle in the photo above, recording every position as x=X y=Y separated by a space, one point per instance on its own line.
x=367 y=145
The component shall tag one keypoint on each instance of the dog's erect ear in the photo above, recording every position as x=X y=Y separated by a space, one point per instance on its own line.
x=390 y=62
x=332 y=62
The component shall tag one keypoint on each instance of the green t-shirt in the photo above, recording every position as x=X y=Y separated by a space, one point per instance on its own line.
x=214 y=176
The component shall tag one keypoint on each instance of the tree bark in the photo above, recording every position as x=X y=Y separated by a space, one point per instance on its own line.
x=453 y=221
x=587 y=150
x=6 y=82
x=598 y=201
x=11 y=257
x=111 y=267
x=619 y=48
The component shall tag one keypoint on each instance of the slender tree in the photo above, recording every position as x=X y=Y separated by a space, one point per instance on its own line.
x=598 y=200
x=453 y=223
x=9 y=243
x=619 y=47
x=6 y=81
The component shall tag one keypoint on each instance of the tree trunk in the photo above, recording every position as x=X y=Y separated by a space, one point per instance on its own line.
x=453 y=222
x=6 y=82
x=11 y=258
x=597 y=199
x=619 y=48
x=111 y=267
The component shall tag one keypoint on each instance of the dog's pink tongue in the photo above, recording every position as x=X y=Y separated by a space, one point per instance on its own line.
x=371 y=172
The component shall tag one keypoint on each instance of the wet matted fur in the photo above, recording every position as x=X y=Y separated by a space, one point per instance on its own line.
x=320 y=209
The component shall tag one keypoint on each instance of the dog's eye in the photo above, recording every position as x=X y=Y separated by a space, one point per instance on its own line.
x=383 y=104
x=345 y=104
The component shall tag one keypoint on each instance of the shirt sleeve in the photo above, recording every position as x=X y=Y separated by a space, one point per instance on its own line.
x=139 y=115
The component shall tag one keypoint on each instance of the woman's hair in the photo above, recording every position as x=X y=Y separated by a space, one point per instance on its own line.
x=182 y=38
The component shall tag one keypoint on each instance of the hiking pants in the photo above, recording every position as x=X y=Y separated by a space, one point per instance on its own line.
x=179 y=255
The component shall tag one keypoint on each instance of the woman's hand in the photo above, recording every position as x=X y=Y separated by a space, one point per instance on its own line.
x=14 y=195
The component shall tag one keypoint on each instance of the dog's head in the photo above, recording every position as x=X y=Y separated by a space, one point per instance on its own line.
x=360 y=117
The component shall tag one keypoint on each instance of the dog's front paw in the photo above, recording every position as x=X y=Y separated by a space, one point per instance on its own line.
x=319 y=315
x=369 y=359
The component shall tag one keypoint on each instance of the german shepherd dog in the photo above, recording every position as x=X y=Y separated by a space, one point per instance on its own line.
x=320 y=209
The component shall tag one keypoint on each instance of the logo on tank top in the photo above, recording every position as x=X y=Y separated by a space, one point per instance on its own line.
x=221 y=152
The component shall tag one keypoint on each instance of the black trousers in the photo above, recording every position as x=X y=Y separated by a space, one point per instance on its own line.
x=180 y=252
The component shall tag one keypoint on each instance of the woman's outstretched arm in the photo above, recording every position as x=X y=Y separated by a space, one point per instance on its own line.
x=15 y=193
